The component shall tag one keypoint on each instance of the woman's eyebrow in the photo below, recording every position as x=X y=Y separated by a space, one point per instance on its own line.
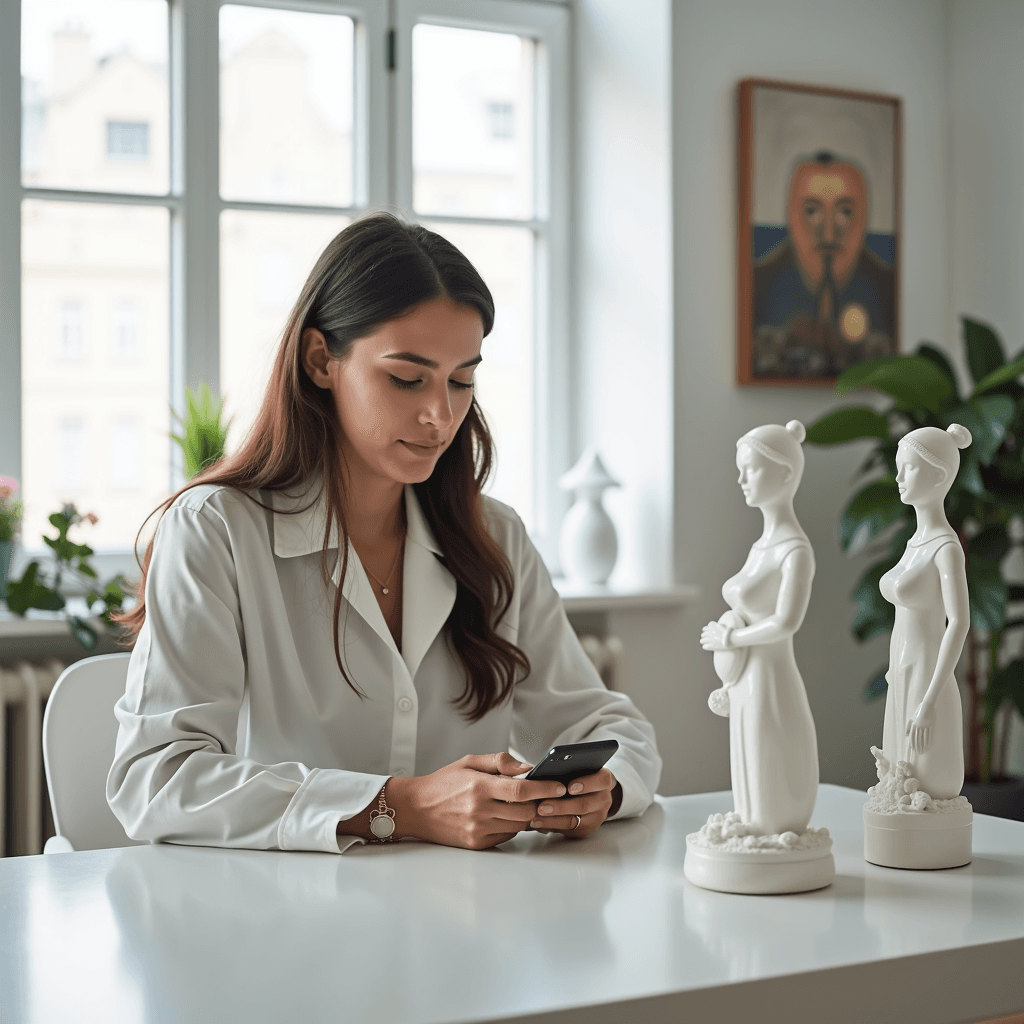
x=411 y=357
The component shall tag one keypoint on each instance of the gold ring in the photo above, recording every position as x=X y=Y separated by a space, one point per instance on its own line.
x=577 y=825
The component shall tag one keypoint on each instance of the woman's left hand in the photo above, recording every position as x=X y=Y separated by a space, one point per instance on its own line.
x=590 y=797
x=919 y=728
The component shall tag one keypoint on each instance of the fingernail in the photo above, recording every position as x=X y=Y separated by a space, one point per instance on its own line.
x=523 y=764
x=546 y=809
x=561 y=790
x=536 y=823
x=578 y=788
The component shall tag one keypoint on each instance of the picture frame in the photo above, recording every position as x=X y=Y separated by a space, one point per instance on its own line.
x=818 y=230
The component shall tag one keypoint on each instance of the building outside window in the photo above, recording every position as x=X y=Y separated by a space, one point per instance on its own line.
x=127 y=140
x=71 y=329
x=308 y=140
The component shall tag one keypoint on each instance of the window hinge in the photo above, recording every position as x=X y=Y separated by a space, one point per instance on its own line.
x=391 y=49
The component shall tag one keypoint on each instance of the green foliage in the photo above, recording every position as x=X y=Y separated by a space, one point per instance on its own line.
x=32 y=592
x=986 y=493
x=203 y=437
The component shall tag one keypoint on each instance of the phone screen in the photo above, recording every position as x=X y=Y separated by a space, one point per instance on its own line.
x=574 y=760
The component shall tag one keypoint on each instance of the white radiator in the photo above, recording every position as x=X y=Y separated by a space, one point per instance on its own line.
x=24 y=688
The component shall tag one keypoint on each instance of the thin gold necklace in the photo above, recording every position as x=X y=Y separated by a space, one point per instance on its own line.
x=384 y=586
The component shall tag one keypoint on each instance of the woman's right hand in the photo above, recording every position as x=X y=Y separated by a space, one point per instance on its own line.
x=473 y=803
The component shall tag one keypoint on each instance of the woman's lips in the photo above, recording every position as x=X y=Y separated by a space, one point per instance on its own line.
x=425 y=451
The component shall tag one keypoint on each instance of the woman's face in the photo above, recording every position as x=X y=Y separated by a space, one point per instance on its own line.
x=404 y=390
x=761 y=478
x=916 y=478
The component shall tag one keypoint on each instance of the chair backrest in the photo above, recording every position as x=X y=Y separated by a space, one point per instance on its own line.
x=79 y=734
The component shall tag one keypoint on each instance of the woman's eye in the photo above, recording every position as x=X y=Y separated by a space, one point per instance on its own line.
x=400 y=382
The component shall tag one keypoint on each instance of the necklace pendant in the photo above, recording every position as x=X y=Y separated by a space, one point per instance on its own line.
x=385 y=590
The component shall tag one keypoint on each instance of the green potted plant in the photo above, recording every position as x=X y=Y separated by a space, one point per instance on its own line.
x=203 y=437
x=981 y=506
x=10 y=522
x=39 y=589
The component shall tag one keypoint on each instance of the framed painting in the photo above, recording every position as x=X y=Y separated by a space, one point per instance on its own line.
x=818 y=231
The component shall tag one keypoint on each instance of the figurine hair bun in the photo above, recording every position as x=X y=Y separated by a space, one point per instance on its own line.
x=960 y=434
x=797 y=429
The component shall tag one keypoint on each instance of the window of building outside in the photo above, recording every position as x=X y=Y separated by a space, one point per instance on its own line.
x=305 y=142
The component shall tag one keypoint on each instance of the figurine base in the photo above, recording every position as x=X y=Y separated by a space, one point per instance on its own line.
x=918 y=840
x=759 y=872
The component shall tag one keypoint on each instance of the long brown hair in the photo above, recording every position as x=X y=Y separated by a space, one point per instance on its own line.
x=376 y=270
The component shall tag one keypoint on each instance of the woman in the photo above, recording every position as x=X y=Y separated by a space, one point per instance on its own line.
x=773 y=750
x=923 y=718
x=240 y=724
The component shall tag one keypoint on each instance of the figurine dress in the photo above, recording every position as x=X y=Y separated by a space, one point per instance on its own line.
x=773 y=749
x=912 y=585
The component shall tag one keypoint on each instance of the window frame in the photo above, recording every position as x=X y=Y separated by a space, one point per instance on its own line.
x=382 y=177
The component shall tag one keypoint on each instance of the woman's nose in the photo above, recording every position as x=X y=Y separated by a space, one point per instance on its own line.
x=439 y=410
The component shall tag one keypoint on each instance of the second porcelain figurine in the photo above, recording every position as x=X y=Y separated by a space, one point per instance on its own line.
x=916 y=817
x=765 y=844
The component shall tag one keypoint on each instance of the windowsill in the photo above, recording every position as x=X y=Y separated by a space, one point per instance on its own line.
x=575 y=598
x=38 y=623
x=605 y=598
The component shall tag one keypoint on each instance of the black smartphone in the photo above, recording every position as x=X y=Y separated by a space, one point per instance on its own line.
x=573 y=761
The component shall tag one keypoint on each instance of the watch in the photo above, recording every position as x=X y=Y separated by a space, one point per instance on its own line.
x=382 y=820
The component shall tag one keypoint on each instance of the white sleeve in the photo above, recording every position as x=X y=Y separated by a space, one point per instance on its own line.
x=176 y=776
x=564 y=699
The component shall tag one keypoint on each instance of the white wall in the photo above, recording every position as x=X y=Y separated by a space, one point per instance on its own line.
x=623 y=272
x=624 y=71
x=986 y=83
x=887 y=46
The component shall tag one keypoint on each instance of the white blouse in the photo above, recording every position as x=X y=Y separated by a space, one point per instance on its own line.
x=236 y=727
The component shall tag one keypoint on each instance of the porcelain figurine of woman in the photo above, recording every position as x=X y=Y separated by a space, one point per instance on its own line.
x=773 y=751
x=921 y=764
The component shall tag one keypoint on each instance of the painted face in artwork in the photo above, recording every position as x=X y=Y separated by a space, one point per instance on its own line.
x=828 y=216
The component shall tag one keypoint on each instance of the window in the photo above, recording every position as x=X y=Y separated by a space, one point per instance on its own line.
x=126 y=345
x=70 y=463
x=178 y=224
x=124 y=456
x=502 y=119
x=127 y=140
x=71 y=330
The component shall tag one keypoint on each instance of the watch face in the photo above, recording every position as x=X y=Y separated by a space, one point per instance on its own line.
x=382 y=826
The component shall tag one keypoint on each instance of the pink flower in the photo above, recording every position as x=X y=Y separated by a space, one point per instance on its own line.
x=91 y=518
x=8 y=485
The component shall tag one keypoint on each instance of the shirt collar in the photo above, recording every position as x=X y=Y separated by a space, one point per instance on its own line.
x=303 y=532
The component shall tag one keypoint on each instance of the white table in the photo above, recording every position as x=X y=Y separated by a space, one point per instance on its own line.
x=414 y=933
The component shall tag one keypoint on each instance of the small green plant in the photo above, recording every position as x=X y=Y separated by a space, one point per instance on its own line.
x=10 y=510
x=987 y=492
x=203 y=437
x=34 y=590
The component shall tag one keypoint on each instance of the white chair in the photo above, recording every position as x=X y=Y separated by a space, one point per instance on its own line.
x=79 y=733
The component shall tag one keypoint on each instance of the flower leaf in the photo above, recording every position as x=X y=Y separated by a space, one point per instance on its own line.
x=984 y=350
x=870 y=511
x=848 y=424
x=913 y=381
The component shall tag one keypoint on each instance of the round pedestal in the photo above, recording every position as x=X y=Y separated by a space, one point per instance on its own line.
x=921 y=840
x=759 y=871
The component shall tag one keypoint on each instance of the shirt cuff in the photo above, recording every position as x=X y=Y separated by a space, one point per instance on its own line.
x=635 y=799
x=326 y=797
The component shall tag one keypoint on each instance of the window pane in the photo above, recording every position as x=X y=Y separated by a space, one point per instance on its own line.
x=94 y=95
x=286 y=106
x=505 y=388
x=265 y=260
x=472 y=102
x=95 y=409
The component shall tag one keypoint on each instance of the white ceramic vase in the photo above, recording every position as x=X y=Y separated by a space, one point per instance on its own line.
x=587 y=545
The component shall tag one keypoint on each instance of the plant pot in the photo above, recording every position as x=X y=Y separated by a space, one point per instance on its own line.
x=6 y=552
x=1002 y=798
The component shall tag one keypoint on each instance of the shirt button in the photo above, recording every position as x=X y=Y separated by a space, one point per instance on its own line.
x=404 y=704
